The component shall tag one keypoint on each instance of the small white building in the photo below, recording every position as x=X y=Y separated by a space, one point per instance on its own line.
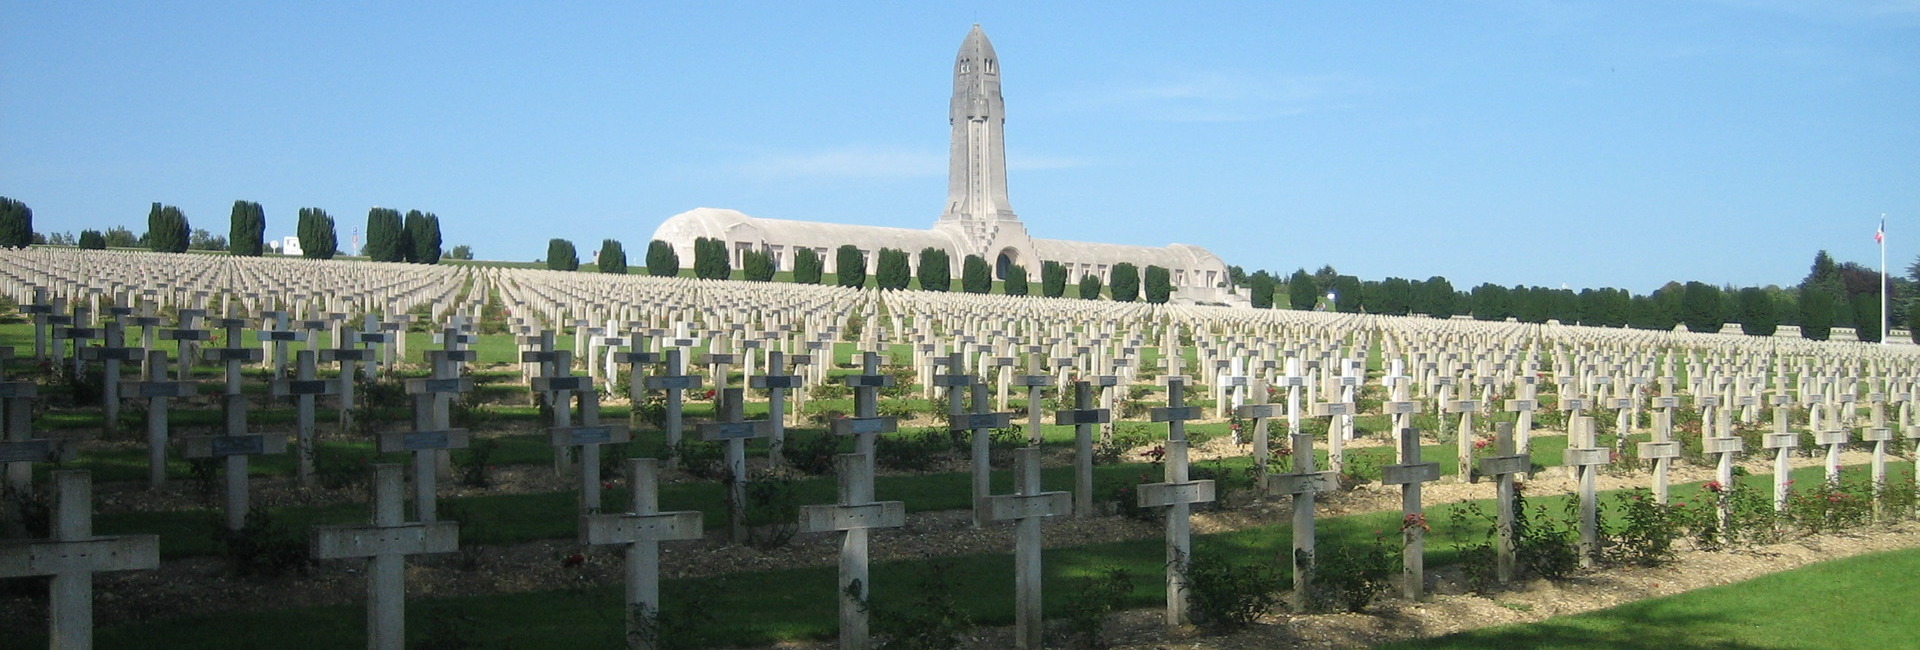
x=290 y=245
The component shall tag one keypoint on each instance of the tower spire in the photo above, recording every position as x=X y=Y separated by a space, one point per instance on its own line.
x=977 y=168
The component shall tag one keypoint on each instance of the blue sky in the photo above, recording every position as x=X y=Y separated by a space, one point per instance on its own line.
x=1589 y=144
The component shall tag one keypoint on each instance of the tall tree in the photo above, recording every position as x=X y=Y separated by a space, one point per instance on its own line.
x=1396 y=296
x=461 y=252
x=891 y=269
x=167 y=229
x=807 y=266
x=1701 y=309
x=1090 y=287
x=422 y=237
x=1866 y=317
x=1349 y=297
x=661 y=260
x=1757 y=316
x=93 y=240
x=936 y=271
x=613 y=257
x=120 y=237
x=1490 y=302
x=1302 y=291
x=16 y=224
x=1158 y=283
x=1440 y=300
x=1053 y=279
x=850 y=266
x=1816 y=313
x=318 y=239
x=976 y=276
x=757 y=266
x=385 y=233
x=1015 y=284
x=1260 y=284
x=561 y=255
x=1124 y=286
x=249 y=227
x=710 y=259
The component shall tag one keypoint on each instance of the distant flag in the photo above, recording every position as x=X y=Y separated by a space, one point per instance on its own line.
x=1880 y=236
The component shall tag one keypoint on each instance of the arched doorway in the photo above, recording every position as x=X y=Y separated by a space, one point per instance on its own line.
x=1008 y=258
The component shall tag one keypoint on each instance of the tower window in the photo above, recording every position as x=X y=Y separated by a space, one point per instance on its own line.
x=991 y=68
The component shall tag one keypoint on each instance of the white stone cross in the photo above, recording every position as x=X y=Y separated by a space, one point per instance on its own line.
x=1782 y=442
x=736 y=431
x=676 y=382
x=1464 y=437
x=1409 y=474
x=1034 y=381
x=1027 y=506
x=235 y=446
x=1302 y=483
x=1586 y=458
x=112 y=353
x=981 y=423
x=303 y=388
x=385 y=544
x=587 y=438
x=1663 y=448
x=1178 y=493
x=1260 y=412
x=1082 y=418
x=431 y=436
x=866 y=422
x=776 y=385
x=1503 y=465
x=852 y=517
x=72 y=555
x=641 y=530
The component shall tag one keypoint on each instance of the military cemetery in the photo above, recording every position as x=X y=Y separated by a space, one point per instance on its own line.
x=233 y=450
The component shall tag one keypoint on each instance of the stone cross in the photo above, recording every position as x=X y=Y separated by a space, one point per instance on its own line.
x=776 y=385
x=349 y=358
x=1783 y=443
x=1878 y=433
x=641 y=530
x=72 y=555
x=274 y=333
x=235 y=446
x=1178 y=493
x=41 y=312
x=588 y=437
x=1663 y=448
x=432 y=434
x=303 y=388
x=1503 y=465
x=385 y=544
x=112 y=353
x=736 y=431
x=1464 y=437
x=1034 y=381
x=560 y=387
x=1523 y=408
x=157 y=390
x=186 y=338
x=1586 y=458
x=1027 y=506
x=981 y=424
x=1333 y=411
x=1082 y=418
x=1724 y=447
x=1302 y=484
x=1827 y=432
x=19 y=450
x=852 y=517
x=676 y=382
x=1260 y=412
x=1409 y=474
x=866 y=423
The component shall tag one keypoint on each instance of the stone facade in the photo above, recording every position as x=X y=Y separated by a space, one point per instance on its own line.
x=977 y=219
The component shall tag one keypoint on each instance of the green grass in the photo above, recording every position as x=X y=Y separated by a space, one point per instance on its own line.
x=801 y=609
x=1857 y=602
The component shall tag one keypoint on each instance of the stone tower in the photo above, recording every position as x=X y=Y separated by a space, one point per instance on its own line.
x=977 y=206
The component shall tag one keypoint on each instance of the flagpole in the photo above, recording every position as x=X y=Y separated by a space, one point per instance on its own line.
x=1885 y=334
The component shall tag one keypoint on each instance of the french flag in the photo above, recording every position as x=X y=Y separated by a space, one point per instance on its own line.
x=1880 y=236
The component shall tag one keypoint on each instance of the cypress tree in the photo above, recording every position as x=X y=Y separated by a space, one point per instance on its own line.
x=1302 y=292
x=249 y=225
x=1158 y=284
x=422 y=239
x=1757 y=317
x=806 y=266
x=1261 y=285
x=757 y=266
x=1015 y=284
x=1700 y=308
x=661 y=260
x=561 y=255
x=850 y=266
x=1866 y=317
x=1089 y=287
x=936 y=271
x=318 y=240
x=976 y=276
x=1053 y=279
x=891 y=269
x=384 y=232
x=1125 y=284
x=167 y=229
x=613 y=257
x=92 y=240
x=16 y=224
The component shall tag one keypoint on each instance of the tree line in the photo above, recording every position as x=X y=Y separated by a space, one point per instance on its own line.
x=1832 y=294
x=892 y=269
x=390 y=237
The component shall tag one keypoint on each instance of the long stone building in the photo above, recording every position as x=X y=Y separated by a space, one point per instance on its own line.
x=978 y=219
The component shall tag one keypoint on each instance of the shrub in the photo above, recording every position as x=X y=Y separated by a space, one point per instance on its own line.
x=475 y=463
x=1350 y=576
x=1224 y=595
x=264 y=547
x=1098 y=597
x=930 y=619
x=772 y=509
x=812 y=455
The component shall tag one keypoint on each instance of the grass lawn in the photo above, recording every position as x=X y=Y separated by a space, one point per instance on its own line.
x=1858 y=602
